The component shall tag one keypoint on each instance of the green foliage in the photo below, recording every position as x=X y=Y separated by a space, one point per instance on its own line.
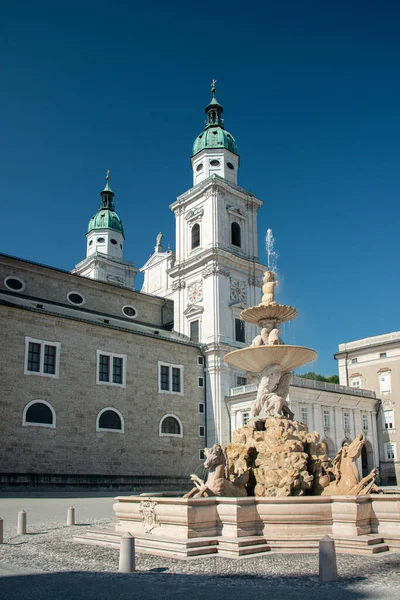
x=316 y=377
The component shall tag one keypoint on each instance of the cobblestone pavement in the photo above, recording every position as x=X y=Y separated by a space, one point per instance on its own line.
x=47 y=562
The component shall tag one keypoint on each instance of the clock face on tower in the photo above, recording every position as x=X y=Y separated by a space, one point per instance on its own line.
x=195 y=292
x=238 y=290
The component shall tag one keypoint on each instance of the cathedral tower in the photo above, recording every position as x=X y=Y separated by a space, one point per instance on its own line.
x=104 y=247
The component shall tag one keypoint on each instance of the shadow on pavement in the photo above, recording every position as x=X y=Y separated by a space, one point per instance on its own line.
x=145 y=585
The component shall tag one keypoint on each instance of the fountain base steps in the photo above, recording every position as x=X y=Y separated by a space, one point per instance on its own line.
x=233 y=547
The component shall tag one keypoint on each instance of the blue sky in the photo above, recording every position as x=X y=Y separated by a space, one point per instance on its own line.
x=311 y=93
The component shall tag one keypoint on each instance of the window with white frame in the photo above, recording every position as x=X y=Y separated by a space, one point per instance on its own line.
x=245 y=418
x=382 y=355
x=40 y=414
x=202 y=431
x=110 y=419
x=241 y=380
x=385 y=382
x=42 y=358
x=346 y=420
x=111 y=368
x=354 y=361
x=390 y=451
x=170 y=378
x=201 y=407
x=365 y=422
x=239 y=331
x=304 y=414
x=326 y=417
x=389 y=419
x=194 y=331
x=170 y=426
x=201 y=381
x=356 y=382
x=200 y=360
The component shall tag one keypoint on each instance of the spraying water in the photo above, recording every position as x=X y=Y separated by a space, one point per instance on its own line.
x=271 y=252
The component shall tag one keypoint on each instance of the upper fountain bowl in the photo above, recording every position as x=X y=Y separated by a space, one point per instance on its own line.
x=269 y=312
x=258 y=358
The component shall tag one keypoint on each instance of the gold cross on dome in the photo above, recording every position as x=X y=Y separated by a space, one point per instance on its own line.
x=213 y=88
x=108 y=174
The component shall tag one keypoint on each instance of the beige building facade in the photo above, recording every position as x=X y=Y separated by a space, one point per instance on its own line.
x=95 y=388
x=374 y=364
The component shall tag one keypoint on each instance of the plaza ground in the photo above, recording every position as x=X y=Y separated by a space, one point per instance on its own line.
x=47 y=563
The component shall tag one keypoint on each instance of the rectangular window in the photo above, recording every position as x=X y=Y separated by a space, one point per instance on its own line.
x=170 y=378
x=390 y=451
x=304 y=415
x=382 y=355
x=194 y=331
x=385 y=382
x=41 y=358
x=202 y=431
x=346 y=420
x=201 y=381
x=354 y=361
x=245 y=418
x=389 y=420
x=326 y=418
x=200 y=360
x=239 y=330
x=201 y=455
x=365 y=422
x=111 y=368
x=241 y=380
x=356 y=383
x=201 y=407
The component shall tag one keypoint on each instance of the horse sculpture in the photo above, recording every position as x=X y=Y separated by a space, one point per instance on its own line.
x=217 y=482
x=347 y=482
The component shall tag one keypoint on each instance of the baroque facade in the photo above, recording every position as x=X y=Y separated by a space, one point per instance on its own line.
x=374 y=363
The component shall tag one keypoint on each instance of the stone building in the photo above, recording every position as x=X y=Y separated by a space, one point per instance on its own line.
x=337 y=412
x=374 y=363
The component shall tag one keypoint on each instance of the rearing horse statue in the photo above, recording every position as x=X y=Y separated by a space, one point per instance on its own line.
x=217 y=483
x=347 y=482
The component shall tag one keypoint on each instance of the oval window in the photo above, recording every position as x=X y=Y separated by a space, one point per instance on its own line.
x=14 y=283
x=230 y=166
x=114 y=242
x=75 y=298
x=129 y=311
x=199 y=167
x=100 y=240
x=214 y=163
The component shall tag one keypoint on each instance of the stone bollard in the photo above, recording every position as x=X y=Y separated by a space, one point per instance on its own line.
x=127 y=554
x=327 y=560
x=21 y=523
x=1 y=532
x=71 y=516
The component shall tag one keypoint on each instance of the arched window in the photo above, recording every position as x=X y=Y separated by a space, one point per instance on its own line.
x=171 y=426
x=39 y=413
x=236 y=235
x=110 y=419
x=195 y=236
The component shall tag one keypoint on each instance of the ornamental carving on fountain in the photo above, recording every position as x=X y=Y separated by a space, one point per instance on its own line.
x=274 y=455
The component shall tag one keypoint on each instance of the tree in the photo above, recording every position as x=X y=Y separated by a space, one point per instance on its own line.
x=316 y=377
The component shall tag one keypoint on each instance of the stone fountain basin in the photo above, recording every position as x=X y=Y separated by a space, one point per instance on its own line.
x=258 y=358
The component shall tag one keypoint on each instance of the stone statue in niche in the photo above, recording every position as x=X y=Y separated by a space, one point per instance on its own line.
x=273 y=388
x=218 y=482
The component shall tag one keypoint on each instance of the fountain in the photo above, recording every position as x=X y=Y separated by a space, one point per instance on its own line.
x=273 y=487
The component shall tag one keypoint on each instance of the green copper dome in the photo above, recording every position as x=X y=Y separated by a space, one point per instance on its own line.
x=214 y=134
x=106 y=217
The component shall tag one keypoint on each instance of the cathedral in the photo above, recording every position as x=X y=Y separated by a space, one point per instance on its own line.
x=107 y=386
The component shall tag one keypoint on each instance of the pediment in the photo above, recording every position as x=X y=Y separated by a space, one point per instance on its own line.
x=239 y=305
x=193 y=310
x=236 y=212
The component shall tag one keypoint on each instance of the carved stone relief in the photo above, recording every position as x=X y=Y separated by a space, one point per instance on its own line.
x=178 y=285
x=215 y=270
x=149 y=517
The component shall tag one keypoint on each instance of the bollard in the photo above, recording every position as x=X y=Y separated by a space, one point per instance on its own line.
x=127 y=554
x=1 y=532
x=71 y=516
x=327 y=560
x=21 y=523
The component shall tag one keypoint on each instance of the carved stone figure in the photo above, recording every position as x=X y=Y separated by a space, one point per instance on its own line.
x=159 y=239
x=273 y=389
x=269 y=283
x=217 y=482
x=269 y=336
x=347 y=479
